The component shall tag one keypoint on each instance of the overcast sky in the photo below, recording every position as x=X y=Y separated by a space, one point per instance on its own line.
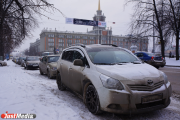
x=114 y=10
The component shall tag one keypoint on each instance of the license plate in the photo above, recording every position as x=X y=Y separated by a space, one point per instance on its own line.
x=152 y=98
x=35 y=65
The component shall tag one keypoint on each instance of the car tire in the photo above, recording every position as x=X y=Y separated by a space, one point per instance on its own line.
x=40 y=71
x=92 y=100
x=0 y=65
x=49 y=75
x=162 y=66
x=157 y=67
x=59 y=83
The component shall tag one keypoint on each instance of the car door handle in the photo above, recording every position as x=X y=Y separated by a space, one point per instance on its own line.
x=70 y=68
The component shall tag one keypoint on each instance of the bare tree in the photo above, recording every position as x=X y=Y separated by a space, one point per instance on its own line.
x=20 y=16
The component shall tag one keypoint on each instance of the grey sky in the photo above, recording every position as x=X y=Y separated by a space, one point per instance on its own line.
x=114 y=11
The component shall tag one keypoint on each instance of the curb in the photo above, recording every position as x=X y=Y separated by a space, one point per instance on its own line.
x=171 y=66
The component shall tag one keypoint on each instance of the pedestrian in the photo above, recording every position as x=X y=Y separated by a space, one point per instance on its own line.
x=170 y=54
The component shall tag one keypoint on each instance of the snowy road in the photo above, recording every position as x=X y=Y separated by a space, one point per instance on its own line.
x=26 y=91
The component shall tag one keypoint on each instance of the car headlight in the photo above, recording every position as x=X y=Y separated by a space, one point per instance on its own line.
x=53 y=68
x=165 y=77
x=111 y=83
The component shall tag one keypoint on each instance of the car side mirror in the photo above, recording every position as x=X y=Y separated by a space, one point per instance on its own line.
x=78 y=62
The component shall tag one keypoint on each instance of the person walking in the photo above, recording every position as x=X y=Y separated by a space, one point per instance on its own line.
x=170 y=54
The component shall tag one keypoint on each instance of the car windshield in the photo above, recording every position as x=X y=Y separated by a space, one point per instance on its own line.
x=32 y=59
x=110 y=55
x=53 y=59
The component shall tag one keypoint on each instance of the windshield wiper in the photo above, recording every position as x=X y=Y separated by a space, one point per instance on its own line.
x=136 y=62
x=104 y=63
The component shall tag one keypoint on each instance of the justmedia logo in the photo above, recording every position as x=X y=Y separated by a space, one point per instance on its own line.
x=18 y=116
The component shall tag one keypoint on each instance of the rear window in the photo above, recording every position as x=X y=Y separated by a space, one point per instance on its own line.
x=150 y=54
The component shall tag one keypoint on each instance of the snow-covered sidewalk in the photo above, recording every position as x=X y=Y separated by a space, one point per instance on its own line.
x=26 y=91
x=172 y=62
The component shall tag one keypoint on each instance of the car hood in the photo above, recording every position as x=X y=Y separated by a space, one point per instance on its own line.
x=53 y=64
x=131 y=73
x=33 y=62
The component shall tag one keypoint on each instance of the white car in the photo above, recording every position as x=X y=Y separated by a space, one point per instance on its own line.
x=2 y=63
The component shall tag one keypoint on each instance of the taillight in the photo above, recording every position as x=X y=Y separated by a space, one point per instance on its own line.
x=152 y=58
x=162 y=58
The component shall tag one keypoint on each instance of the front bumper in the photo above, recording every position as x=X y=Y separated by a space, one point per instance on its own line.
x=130 y=102
x=53 y=73
x=32 y=66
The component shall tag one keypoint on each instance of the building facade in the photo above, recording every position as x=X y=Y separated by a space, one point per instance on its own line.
x=35 y=48
x=53 y=39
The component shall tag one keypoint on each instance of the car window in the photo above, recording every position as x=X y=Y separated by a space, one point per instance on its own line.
x=32 y=59
x=150 y=54
x=44 y=59
x=68 y=55
x=110 y=55
x=76 y=55
x=140 y=55
x=53 y=59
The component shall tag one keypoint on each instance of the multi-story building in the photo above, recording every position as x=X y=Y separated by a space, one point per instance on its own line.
x=35 y=48
x=53 y=39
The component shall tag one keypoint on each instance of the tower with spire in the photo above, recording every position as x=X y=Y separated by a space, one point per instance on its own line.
x=99 y=16
x=104 y=35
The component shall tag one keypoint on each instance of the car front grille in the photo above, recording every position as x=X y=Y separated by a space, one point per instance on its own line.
x=145 y=87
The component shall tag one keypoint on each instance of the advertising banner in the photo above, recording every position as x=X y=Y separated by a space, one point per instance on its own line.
x=69 y=21
x=85 y=22
x=101 y=24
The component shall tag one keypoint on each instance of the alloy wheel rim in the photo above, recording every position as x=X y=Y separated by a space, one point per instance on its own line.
x=91 y=99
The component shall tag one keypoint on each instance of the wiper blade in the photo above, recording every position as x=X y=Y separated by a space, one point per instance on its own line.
x=136 y=62
x=104 y=63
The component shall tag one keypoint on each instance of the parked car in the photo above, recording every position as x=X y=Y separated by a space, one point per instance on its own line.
x=19 y=60
x=153 y=59
x=23 y=61
x=112 y=79
x=3 y=63
x=31 y=62
x=48 y=65
x=16 y=60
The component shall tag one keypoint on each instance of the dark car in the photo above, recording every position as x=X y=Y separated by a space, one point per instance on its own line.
x=152 y=59
x=31 y=62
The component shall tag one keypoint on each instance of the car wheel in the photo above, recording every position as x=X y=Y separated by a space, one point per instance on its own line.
x=162 y=66
x=92 y=100
x=40 y=71
x=157 y=67
x=59 y=83
x=49 y=75
x=0 y=65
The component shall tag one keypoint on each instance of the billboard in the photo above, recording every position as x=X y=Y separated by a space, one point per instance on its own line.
x=85 y=22
x=101 y=24
x=69 y=21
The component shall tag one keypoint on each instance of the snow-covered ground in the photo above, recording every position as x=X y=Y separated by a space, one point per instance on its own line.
x=26 y=91
x=172 y=61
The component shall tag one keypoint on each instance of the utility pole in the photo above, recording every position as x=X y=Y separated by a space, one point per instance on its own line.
x=153 y=37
